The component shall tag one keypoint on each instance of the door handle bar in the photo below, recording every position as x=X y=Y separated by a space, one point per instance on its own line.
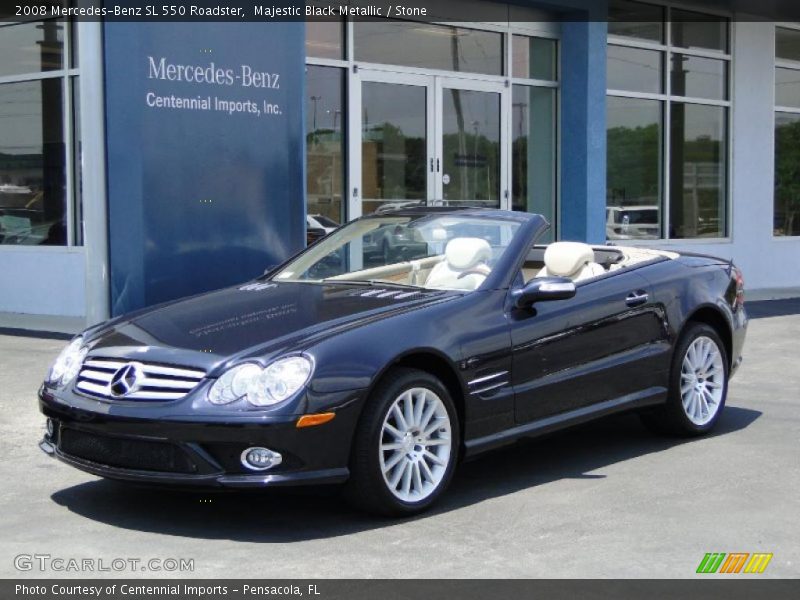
x=636 y=298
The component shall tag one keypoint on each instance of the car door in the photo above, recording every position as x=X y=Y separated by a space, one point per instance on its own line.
x=607 y=342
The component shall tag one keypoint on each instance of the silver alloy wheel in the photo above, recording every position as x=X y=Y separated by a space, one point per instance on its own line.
x=415 y=444
x=702 y=380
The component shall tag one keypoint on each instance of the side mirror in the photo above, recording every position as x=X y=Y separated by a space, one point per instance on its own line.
x=540 y=289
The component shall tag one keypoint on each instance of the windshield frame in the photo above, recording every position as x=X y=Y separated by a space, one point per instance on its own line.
x=529 y=227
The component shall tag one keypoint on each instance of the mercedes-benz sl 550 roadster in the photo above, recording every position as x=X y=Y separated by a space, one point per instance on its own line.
x=381 y=371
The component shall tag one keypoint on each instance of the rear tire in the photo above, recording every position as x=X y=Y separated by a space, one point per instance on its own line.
x=406 y=445
x=698 y=385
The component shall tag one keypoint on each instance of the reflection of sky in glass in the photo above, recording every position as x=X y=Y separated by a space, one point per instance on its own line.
x=697 y=30
x=636 y=19
x=21 y=118
x=634 y=69
x=429 y=46
x=323 y=99
x=480 y=111
x=403 y=106
x=787 y=87
x=533 y=58
x=702 y=77
x=324 y=39
x=640 y=114
x=787 y=44
x=22 y=51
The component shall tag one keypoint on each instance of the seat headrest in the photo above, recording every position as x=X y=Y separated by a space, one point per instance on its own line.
x=564 y=259
x=465 y=253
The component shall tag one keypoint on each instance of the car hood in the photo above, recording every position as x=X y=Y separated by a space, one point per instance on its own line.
x=255 y=319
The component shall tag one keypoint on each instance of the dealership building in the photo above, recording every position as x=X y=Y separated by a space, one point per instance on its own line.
x=144 y=161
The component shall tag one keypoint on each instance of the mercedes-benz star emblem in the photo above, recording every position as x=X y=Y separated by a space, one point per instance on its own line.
x=125 y=380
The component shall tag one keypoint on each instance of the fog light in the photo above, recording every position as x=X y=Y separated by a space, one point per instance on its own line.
x=260 y=459
x=50 y=427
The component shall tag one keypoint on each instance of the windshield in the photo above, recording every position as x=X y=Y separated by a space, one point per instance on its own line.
x=434 y=251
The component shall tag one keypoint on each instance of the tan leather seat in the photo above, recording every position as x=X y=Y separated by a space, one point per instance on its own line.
x=570 y=259
x=464 y=266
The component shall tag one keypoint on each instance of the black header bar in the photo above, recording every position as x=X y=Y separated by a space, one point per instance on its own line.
x=423 y=10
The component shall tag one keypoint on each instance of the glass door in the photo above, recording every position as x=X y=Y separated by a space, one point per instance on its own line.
x=471 y=152
x=396 y=142
x=427 y=139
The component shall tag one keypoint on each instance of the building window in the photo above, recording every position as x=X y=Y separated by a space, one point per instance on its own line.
x=440 y=113
x=325 y=39
x=667 y=123
x=326 y=126
x=534 y=104
x=428 y=46
x=325 y=146
x=39 y=142
x=787 y=132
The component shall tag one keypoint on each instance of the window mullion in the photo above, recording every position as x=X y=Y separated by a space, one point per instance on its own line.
x=667 y=117
x=69 y=196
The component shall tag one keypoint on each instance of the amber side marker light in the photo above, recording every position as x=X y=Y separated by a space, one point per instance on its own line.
x=317 y=419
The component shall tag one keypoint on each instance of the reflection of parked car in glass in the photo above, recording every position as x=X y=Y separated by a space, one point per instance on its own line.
x=317 y=227
x=632 y=222
x=23 y=220
x=395 y=241
x=321 y=222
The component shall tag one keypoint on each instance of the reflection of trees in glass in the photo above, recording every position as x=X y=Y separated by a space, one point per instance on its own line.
x=324 y=141
x=324 y=169
x=397 y=163
x=470 y=158
x=633 y=165
x=697 y=172
x=473 y=160
x=787 y=178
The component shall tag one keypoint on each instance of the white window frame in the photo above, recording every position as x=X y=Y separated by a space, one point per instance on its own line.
x=792 y=65
x=667 y=49
x=69 y=85
x=352 y=186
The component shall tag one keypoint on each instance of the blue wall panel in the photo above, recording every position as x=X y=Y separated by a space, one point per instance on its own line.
x=583 y=124
x=582 y=158
x=201 y=196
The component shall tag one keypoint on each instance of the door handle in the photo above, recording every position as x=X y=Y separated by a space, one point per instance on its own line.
x=636 y=298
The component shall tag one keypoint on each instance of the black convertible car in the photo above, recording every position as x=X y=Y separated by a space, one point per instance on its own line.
x=341 y=367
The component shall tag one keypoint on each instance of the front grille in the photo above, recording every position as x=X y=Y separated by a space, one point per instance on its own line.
x=147 y=381
x=141 y=455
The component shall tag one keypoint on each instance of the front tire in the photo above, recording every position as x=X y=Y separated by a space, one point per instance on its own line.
x=406 y=445
x=698 y=385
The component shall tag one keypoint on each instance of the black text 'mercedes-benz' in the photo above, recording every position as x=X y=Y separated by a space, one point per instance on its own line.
x=391 y=349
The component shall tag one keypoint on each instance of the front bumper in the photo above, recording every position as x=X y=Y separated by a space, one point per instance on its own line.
x=198 y=453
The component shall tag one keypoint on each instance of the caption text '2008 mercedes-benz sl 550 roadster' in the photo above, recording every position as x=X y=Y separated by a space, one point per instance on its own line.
x=381 y=371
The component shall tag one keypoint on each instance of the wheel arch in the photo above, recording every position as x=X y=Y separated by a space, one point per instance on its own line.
x=434 y=362
x=715 y=318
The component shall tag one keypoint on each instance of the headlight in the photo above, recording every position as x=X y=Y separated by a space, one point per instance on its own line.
x=262 y=386
x=68 y=363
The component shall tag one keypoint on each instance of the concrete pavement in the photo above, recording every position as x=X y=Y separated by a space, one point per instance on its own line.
x=608 y=499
